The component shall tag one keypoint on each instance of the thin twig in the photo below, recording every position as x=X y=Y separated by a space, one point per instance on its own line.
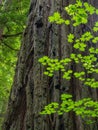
x=11 y=35
x=10 y=47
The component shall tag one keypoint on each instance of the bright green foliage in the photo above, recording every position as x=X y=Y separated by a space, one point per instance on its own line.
x=80 y=43
x=86 y=107
x=79 y=13
x=71 y=38
x=95 y=40
x=55 y=65
x=95 y=28
x=56 y=18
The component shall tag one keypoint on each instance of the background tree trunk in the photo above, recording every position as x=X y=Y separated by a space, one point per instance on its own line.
x=32 y=90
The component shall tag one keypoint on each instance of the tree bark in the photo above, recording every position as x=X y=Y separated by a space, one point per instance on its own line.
x=31 y=89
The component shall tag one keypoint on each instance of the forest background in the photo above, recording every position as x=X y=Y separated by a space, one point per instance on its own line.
x=13 y=16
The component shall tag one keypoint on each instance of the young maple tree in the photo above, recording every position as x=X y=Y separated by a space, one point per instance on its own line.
x=78 y=15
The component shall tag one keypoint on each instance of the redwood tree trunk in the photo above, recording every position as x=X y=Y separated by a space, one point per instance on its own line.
x=32 y=90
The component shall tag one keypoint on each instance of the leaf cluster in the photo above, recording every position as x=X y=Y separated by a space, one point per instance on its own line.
x=85 y=107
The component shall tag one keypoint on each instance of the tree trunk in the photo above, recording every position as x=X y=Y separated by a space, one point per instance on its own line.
x=32 y=90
